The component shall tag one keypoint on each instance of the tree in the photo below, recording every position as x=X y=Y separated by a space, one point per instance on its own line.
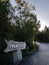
x=43 y=36
x=27 y=24
x=5 y=26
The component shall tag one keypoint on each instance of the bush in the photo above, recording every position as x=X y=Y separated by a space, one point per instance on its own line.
x=30 y=49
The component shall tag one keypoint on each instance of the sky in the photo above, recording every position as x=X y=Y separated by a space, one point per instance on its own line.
x=42 y=11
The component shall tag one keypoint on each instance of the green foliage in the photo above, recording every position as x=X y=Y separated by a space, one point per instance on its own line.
x=27 y=24
x=30 y=51
x=43 y=36
x=25 y=28
x=6 y=31
x=6 y=28
x=3 y=26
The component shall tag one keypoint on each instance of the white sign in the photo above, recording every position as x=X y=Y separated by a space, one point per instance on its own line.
x=13 y=45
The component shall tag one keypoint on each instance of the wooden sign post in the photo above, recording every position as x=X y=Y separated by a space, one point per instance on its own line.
x=16 y=48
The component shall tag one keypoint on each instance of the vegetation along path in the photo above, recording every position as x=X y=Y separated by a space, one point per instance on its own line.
x=41 y=57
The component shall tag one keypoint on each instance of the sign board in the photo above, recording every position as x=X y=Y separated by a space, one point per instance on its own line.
x=13 y=45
